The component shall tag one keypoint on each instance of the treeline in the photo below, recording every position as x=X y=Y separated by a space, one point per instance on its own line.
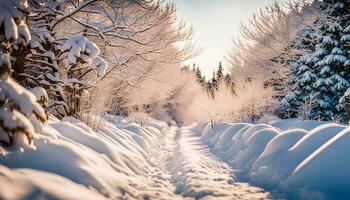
x=301 y=51
x=93 y=59
x=213 y=84
x=291 y=60
x=85 y=59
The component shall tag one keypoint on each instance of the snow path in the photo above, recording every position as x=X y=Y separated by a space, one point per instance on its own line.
x=198 y=174
x=160 y=175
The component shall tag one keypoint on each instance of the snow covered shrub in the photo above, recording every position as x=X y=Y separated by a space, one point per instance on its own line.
x=255 y=99
x=141 y=118
x=82 y=67
x=20 y=114
x=65 y=65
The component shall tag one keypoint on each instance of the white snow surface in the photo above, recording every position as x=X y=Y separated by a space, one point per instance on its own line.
x=294 y=159
x=290 y=158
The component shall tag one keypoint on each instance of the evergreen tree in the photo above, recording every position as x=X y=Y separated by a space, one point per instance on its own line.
x=321 y=75
x=333 y=60
x=212 y=86
x=41 y=65
x=229 y=83
x=304 y=75
x=193 y=67
x=65 y=67
x=220 y=73
x=199 y=77
x=214 y=82
x=20 y=113
x=185 y=68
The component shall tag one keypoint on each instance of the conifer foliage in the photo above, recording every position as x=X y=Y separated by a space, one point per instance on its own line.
x=20 y=113
x=321 y=74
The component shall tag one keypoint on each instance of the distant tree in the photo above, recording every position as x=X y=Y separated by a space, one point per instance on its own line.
x=229 y=83
x=199 y=77
x=185 y=68
x=194 y=67
x=214 y=82
x=212 y=86
x=220 y=73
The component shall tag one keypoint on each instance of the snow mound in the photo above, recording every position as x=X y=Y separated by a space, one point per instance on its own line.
x=226 y=138
x=253 y=147
x=304 y=159
x=71 y=161
x=326 y=169
x=269 y=166
x=287 y=124
x=27 y=184
x=210 y=134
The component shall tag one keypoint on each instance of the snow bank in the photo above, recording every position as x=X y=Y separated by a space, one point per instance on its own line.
x=326 y=169
x=226 y=138
x=305 y=159
x=28 y=184
x=112 y=163
x=210 y=134
x=288 y=124
x=253 y=147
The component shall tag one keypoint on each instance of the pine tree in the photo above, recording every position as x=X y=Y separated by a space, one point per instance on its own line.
x=212 y=86
x=345 y=102
x=229 y=83
x=214 y=82
x=199 y=77
x=193 y=67
x=185 y=68
x=65 y=67
x=333 y=61
x=304 y=75
x=220 y=73
x=42 y=64
x=20 y=113
x=322 y=75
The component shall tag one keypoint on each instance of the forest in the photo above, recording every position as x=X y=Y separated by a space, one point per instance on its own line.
x=99 y=96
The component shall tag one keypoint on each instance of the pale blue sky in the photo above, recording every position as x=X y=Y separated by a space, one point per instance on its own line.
x=216 y=24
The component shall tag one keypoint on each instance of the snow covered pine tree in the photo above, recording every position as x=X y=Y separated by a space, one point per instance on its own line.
x=60 y=65
x=20 y=115
x=304 y=75
x=327 y=67
x=41 y=65
x=333 y=61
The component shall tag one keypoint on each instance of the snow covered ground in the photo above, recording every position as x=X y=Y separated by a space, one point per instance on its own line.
x=288 y=158
x=293 y=159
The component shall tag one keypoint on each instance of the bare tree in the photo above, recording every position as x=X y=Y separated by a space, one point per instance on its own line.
x=136 y=65
x=305 y=109
x=265 y=47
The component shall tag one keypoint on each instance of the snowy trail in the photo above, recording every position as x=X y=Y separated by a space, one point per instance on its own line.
x=198 y=174
x=160 y=175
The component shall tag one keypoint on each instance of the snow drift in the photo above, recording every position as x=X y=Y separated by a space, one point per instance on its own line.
x=69 y=156
x=299 y=159
x=303 y=159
